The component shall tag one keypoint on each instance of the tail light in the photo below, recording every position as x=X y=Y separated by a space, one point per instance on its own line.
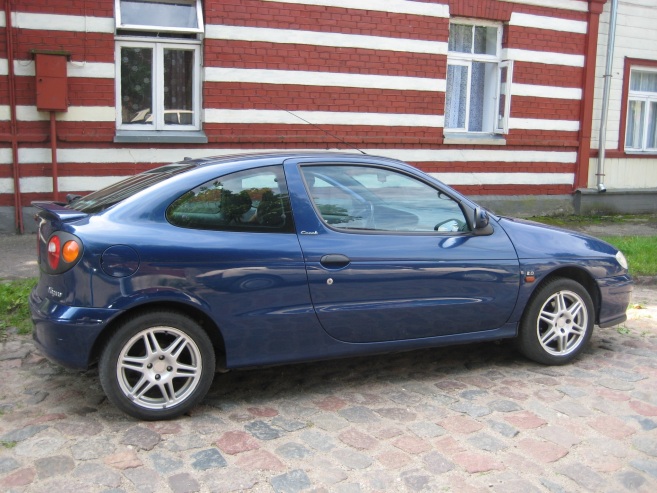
x=63 y=252
x=54 y=252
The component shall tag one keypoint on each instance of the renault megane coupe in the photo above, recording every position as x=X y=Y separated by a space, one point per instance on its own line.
x=242 y=261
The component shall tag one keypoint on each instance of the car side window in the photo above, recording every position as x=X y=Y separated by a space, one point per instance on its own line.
x=253 y=200
x=380 y=199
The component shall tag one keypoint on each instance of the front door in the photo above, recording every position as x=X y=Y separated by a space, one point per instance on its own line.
x=392 y=257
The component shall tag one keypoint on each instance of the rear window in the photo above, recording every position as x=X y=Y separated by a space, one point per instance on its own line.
x=107 y=197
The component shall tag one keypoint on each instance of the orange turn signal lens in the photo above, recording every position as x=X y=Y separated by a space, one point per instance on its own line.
x=71 y=251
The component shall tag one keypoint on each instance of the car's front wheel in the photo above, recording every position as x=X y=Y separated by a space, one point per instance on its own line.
x=157 y=365
x=557 y=323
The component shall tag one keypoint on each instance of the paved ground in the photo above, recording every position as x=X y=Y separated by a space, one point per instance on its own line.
x=475 y=418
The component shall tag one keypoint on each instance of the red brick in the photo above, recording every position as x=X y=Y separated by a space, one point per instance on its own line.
x=542 y=451
x=236 y=442
x=260 y=460
x=358 y=440
x=477 y=463
x=525 y=420
x=412 y=445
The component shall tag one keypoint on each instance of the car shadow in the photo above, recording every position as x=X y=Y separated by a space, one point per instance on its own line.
x=363 y=375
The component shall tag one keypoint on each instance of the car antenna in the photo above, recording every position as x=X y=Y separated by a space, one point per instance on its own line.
x=311 y=124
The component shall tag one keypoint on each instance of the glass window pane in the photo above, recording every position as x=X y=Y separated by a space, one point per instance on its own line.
x=643 y=81
x=485 y=40
x=358 y=197
x=136 y=86
x=254 y=200
x=482 y=85
x=652 y=126
x=179 y=14
x=634 y=132
x=460 y=38
x=456 y=97
x=178 y=86
x=477 y=90
x=501 y=106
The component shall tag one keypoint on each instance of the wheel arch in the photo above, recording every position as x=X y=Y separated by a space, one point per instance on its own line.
x=579 y=275
x=205 y=321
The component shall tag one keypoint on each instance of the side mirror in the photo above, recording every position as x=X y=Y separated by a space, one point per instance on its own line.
x=480 y=218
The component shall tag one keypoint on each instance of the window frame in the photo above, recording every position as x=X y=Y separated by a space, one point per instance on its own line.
x=649 y=98
x=157 y=84
x=151 y=28
x=467 y=59
x=621 y=150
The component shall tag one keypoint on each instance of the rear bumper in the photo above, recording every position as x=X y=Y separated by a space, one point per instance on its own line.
x=616 y=294
x=67 y=334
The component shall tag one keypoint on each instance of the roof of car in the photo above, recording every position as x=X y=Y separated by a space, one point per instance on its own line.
x=283 y=155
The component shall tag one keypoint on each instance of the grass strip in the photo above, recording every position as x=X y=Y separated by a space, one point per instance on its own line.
x=14 y=309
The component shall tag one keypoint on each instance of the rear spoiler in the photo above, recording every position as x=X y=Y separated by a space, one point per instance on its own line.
x=57 y=211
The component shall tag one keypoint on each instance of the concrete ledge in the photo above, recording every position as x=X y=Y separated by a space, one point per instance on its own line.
x=527 y=205
x=7 y=223
x=618 y=201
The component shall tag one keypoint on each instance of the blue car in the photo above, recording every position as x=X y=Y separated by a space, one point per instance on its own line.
x=242 y=261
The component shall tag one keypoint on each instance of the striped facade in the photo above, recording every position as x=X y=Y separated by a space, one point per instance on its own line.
x=307 y=74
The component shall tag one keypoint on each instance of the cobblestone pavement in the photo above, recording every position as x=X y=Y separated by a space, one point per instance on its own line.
x=475 y=418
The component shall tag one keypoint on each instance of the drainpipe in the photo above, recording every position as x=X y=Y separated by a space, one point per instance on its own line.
x=602 y=140
x=13 y=125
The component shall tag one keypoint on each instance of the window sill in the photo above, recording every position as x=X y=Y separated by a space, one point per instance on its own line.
x=169 y=137
x=474 y=139
x=634 y=152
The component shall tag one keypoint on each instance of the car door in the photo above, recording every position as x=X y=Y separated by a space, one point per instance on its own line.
x=390 y=256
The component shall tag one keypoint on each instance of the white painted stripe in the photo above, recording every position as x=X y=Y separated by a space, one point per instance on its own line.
x=30 y=155
x=3 y=19
x=52 y=22
x=551 y=23
x=321 y=118
x=333 y=79
x=6 y=185
x=85 y=183
x=211 y=115
x=74 y=114
x=5 y=113
x=316 y=38
x=546 y=57
x=475 y=155
x=505 y=178
x=544 y=124
x=6 y=155
x=577 y=5
x=43 y=184
x=4 y=66
x=25 y=68
x=546 y=91
x=394 y=6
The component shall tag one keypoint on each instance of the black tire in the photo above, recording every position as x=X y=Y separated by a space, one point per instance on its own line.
x=157 y=365
x=557 y=323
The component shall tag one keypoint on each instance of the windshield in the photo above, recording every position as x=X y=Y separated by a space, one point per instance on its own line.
x=107 y=197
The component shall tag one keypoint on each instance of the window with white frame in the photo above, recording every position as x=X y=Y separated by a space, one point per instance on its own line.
x=158 y=69
x=477 y=97
x=641 y=129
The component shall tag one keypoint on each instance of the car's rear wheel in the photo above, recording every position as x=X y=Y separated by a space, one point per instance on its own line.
x=157 y=365
x=557 y=323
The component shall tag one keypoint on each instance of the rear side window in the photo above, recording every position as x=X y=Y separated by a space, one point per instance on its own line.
x=107 y=197
x=253 y=200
